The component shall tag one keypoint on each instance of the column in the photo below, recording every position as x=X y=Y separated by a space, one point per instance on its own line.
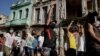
x=95 y=8
x=84 y=8
x=41 y=16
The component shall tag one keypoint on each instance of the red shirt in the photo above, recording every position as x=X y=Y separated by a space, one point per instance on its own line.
x=2 y=41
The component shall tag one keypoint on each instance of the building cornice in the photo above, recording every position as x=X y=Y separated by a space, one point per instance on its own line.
x=20 y=5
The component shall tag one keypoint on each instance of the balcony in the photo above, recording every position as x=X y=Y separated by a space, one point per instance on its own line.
x=14 y=6
x=37 y=1
x=44 y=0
x=7 y=24
x=18 y=22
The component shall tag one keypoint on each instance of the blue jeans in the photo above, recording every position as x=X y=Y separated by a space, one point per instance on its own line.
x=28 y=51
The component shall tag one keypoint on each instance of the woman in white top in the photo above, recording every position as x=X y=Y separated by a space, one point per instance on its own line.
x=81 y=42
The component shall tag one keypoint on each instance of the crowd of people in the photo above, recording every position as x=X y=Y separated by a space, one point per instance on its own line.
x=21 y=43
x=83 y=39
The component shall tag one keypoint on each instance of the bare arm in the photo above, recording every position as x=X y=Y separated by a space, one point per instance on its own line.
x=93 y=33
x=82 y=30
x=69 y=25
x=49 y=15
x=68 y=33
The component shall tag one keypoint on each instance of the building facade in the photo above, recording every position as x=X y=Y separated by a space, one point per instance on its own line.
x=40 y=9
x=34 y=12
x=20 y=14
x=3 y=20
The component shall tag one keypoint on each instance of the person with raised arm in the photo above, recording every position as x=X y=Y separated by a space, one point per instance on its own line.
x=92 y=34
x=49 y=34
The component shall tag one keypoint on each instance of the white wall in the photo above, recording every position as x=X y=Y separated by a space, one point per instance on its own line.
x=3 y=19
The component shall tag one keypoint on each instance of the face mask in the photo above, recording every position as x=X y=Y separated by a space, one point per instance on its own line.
x=18 y=34
x=11 y=31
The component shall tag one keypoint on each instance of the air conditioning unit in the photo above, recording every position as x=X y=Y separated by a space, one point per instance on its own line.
x=44 y=0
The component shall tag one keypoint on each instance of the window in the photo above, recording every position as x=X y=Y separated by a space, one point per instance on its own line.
x=37 y=14
x=98 y=4
x=27 y=11
x=79 y=9
x=38 y=1
x=54 y=13
x=89 y=4
x=45 y=13
x=0 y=18
x=20 y=14
x=13 y=15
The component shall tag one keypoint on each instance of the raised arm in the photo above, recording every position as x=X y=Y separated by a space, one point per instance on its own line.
x=49 y=15
x=69 y=25
x=68 y=32
x=93 y=34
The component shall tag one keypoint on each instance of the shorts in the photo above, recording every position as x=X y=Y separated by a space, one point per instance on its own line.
x=28 y=51
x=71 y=52
x=7 y=51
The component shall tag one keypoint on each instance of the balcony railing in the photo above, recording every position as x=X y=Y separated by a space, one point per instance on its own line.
x=19 y=22
x=38 y=1
x=7 y=23
x=20 y=5
x=44 y=0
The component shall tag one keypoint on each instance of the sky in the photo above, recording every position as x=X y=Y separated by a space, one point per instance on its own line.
x=5 y=6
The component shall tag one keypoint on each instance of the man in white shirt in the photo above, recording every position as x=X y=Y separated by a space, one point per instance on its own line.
x=40 y=43
x=41 y=40
x=9 y=41
x=17 y=43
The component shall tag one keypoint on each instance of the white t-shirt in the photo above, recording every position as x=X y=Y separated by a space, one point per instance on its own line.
x=18 y=39
x=41 y=40
x=23 y=43
x=9 y=40
x=81 y=46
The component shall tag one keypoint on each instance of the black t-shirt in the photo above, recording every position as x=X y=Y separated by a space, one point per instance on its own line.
x=49 y=42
